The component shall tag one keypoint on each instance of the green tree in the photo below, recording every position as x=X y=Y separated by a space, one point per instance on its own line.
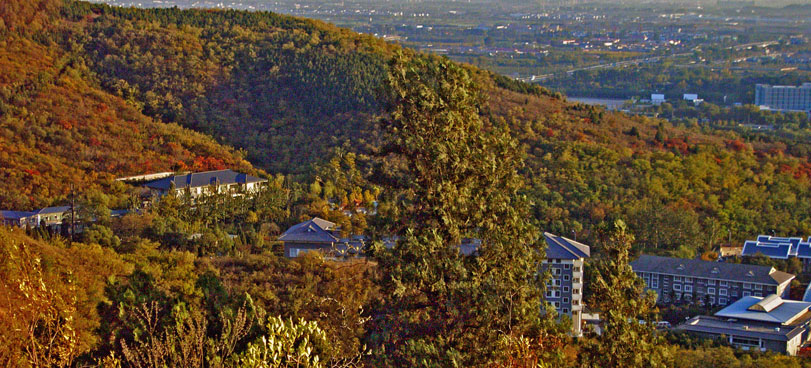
x=629 y=338
x=459 y=178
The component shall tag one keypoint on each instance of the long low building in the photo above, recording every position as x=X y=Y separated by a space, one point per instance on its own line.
x=716 y=283
x=754 y=323
x=202 y=183
x=780 y=248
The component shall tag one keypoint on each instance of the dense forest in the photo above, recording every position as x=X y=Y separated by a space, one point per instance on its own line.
x=340 y=122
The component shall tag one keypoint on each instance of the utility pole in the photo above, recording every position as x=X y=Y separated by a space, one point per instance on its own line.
x=72 y=212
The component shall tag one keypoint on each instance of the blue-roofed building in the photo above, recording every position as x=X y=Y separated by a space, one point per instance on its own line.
x=196 y=184
x=564 y=259
x=780 y=248
x=15 y=218
x=755 y=323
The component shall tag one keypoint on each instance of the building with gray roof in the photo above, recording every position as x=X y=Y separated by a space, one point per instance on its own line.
x=716 y=283
x=200 y=183
x=564 y=260
x=314 y=234
x=755 y=323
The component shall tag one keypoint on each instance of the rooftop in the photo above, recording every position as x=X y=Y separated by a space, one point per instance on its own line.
x=316 y=230
x=777 y=247
x=726 y=326
x=52 y=210
x=14 y=215
x=711 y=270
x=202 y=179
x=559 y=247
x=771 y=309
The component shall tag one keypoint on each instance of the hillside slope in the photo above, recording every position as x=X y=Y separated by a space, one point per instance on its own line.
x=57 y=129
x=291 y=91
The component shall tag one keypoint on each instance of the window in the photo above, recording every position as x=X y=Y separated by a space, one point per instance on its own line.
x=710 y=282
x=654 y=284
x=734 y=293
x=710 y=290
x=576 y=280
x=688 y=288
x=722 y=292
x=722 y=301
x=747 y=285
x=556 y=271
x=567 y=266
x=565 y=289
x=723 y=284
x=577 y=269
x=758 y=287
x=677 y=287
x=575 y=302
x=757 y=293
x=688 y=279
x=712 y=300
x=565 y=300
x=557 y=305
x=575 y=291
x=746 y=293
x=677 y=279
x=565 y=277
x=565 y=310
x=745 y=342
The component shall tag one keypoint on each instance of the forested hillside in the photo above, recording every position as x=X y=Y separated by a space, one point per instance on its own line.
x=57 y=127
x=440 y=151
x=291 y=91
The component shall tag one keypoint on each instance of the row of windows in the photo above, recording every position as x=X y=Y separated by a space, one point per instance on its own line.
x=557 y=306
x=565 y=290
x=689 y=297
x=652 y=279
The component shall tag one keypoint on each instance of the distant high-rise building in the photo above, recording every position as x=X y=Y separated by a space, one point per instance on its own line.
x=784 y=98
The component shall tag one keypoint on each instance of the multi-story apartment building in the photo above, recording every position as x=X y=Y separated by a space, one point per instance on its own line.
x=564 y=290
x=716 y=283
x=784 y=98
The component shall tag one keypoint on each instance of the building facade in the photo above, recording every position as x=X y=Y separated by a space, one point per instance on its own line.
x=716 y=283
x=784 y=98
x=564 y=290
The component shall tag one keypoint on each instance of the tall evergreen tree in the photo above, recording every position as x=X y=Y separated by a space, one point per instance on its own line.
x=629 y=338
x=458 y=178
